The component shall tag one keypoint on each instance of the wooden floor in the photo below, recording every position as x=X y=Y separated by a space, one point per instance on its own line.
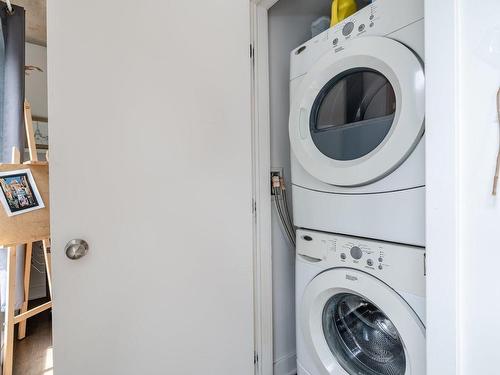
x=33 y=355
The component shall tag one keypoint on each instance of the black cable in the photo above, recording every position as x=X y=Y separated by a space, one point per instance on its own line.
x=288 y=212
x=282 y=218
x=281 y=215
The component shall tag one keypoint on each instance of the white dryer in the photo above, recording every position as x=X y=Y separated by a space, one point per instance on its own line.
x=360 y=306
x=357 y=125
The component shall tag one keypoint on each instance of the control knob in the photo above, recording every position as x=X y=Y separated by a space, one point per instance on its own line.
x=356 y=252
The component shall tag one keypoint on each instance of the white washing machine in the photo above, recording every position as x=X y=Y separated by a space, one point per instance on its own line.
x=357 y=125
x=360 y=306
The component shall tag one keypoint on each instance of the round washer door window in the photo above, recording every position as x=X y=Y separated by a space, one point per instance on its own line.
x=353 y=114
x=362 y=337
x=353 y=323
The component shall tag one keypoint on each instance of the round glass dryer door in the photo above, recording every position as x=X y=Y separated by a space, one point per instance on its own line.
x=359 y=112
x=353 y=114
x=353 y=323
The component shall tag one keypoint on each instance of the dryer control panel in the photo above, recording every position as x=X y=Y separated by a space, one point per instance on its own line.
x=381 y=18
x=395 y=264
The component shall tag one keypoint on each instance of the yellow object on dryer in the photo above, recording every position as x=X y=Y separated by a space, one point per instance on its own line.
x=341 y=9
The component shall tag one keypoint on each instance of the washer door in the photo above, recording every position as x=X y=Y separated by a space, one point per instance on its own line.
x=359 y=112
x=355 y=323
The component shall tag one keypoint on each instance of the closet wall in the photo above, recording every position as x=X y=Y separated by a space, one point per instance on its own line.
x=463 y=77
x=289 y=26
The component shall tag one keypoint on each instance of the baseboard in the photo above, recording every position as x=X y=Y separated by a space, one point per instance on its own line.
x=286 y=365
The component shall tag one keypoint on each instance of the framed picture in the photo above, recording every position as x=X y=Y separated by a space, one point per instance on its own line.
x=19 y=193
x=41 y=133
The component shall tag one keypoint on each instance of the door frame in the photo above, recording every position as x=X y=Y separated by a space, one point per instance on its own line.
x=442 y=47
x=261 y=148
x=443 y=189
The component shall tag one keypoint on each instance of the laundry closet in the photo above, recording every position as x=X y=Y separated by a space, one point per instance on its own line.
x=358 y=166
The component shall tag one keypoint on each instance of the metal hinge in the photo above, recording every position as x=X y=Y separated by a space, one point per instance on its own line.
x=254 y=206
x=255 y=358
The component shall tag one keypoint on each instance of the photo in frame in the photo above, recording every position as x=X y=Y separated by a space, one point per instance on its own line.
x=19 y=193
x=41 y=133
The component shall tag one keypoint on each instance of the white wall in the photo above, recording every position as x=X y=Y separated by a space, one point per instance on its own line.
x=479 y=214
x=36 y=82
x=463 y=75
x=289 y=26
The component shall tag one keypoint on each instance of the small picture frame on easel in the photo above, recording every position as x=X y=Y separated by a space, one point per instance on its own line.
x=19 y=193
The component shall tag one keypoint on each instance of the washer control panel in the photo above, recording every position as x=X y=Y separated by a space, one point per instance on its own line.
x=356 y=252
x=365 y=253
x=383 y=259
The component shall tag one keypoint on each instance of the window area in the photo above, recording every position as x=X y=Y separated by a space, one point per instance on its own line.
x=353 y=114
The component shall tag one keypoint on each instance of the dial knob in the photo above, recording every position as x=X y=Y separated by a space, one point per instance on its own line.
x=356 y=252
x=347 y=29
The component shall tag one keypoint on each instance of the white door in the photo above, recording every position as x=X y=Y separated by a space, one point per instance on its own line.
x=368 y=329
x=359 y=112
x=151 y=165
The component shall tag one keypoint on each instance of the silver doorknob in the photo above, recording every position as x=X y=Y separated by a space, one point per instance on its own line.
x=76 y=249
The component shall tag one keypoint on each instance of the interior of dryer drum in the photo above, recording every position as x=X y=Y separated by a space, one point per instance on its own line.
x=353 y=114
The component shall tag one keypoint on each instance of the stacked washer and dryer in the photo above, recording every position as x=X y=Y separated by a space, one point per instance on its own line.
x=358 y=174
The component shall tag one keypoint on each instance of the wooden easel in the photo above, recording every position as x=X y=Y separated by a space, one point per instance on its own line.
x=19 y=230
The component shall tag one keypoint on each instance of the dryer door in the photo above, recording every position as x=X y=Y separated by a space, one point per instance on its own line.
x=355 y=324
x=359 y=112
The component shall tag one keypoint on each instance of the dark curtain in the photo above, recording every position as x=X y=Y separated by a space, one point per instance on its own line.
x=12 y=131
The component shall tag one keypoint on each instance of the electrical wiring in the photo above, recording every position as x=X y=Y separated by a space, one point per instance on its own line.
x=281 y=215
x=281 y=206
x=288 y=216
x=497 y=168
x=285 y=201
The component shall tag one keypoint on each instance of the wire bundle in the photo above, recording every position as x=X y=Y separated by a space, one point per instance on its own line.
x=281 y=206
